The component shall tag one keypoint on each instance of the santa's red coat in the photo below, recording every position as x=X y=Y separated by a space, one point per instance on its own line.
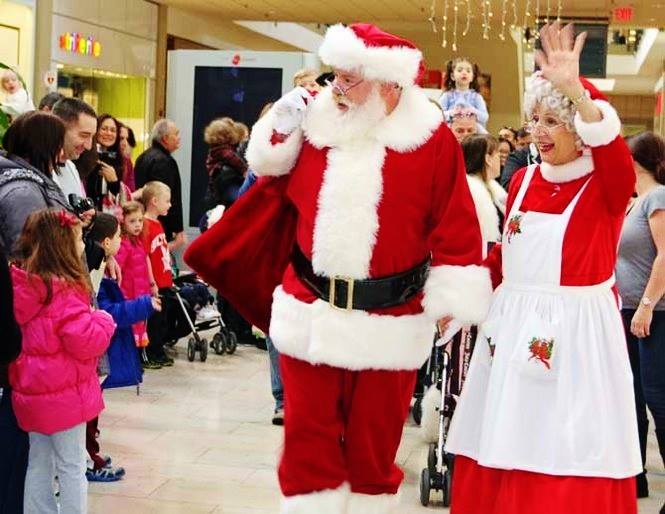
x=372 y=206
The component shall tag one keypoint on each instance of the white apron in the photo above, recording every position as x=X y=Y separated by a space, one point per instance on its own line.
x=557 y=395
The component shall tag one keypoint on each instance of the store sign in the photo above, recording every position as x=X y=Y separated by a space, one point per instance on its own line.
x=79 y=44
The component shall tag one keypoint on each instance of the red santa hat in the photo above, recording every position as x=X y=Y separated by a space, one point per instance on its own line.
x=378 y=55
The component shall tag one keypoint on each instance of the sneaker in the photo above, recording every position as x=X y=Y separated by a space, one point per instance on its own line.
x=278 y=417
x=148 y=364
x=207 y=313
x=164 y=361
x=103 y=475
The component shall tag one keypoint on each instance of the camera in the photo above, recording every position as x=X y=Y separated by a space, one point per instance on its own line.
x=108 y=157
x=80 y=204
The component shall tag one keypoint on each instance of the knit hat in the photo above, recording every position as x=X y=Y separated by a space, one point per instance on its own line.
x=376 y=54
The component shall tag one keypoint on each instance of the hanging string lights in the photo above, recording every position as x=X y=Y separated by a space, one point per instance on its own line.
x=468 y=18
x=486 y=19
x=527 y=15
x=432 y=16
x=514 y=23
x=531 y=20
x=444 y=27
x=504 y=12
x=455 y=9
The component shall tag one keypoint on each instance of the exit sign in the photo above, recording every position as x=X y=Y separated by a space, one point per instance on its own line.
x=624 y=13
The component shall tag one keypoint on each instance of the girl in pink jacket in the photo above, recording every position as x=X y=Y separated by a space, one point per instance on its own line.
x=54 y=380
x=133 y=261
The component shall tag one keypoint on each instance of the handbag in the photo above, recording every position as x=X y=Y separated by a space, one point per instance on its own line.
x=244 y=255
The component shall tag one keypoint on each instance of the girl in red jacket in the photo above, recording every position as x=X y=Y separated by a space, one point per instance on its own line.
x=54 y=380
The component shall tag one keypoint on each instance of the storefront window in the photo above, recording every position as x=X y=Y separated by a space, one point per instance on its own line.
x=122 y=96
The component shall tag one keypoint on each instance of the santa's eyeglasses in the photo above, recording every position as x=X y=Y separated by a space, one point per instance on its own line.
x=339 y=89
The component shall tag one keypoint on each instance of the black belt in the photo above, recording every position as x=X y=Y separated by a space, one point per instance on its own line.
x=347 y=294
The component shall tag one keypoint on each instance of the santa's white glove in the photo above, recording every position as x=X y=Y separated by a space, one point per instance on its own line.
x=289 y=110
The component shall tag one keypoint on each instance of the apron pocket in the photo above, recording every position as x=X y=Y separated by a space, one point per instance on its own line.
x=536 y=349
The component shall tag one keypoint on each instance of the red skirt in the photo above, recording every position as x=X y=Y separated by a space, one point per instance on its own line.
x=481 y=490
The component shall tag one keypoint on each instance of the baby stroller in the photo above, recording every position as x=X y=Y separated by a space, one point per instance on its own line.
x=447 y=369
x=189 y=291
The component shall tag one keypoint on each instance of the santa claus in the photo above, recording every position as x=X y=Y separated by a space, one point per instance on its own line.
x=546 y=421
x=386 y=243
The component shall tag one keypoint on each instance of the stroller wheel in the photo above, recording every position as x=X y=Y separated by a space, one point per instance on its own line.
x=425 y=487
x=219 y=343
x=447 y=488
x=417 y=411
x=203 y=349
x=431 y=458
x=191 y=349
x=231 y=343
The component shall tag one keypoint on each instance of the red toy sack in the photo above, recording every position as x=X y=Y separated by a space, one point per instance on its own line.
x=245 y=253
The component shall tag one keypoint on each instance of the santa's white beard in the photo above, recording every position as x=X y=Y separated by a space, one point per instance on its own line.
x=356 y=123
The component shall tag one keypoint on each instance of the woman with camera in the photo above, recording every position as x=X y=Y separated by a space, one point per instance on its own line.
x=103 y=181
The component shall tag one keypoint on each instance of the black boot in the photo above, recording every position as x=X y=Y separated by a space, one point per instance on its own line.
x=662 y=509
x=642 y=485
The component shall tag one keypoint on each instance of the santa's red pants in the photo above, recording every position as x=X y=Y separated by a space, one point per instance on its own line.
x=342 y=431
x=477 y=489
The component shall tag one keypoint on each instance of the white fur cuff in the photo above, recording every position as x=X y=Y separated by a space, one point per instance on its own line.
x=330 y=501
x=266 y=159
x=372 y=503
x=463 y=292
x=599 y=133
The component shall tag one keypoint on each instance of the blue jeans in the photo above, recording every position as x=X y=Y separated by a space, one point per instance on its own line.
x=275 y=376
x=647 y=360
x=13 y=458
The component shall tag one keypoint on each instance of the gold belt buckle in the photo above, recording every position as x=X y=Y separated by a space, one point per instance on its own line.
x=349 y=296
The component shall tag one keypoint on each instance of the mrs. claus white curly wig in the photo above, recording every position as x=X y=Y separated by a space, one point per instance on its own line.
x=541 y=91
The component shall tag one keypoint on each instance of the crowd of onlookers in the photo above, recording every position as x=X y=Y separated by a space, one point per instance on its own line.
x=90 y=238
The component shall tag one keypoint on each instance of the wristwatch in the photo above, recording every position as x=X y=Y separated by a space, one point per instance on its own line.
x=646 y=301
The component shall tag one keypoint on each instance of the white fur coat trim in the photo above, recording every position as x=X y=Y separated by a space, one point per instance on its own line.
x=463 y=292
x=409 y=126
x=486 y=204
x=373 y=503
x=266 y=159
x=572 y=170
x=599 y=133
x=329 y=501
x=347 y=220
x=355 y=340
x=341 y=48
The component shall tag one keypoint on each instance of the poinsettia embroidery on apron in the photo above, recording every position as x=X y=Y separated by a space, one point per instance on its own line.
x=514 y=226
x=541 y=350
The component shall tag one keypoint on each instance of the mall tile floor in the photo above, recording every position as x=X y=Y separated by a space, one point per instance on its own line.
x=198 y=439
